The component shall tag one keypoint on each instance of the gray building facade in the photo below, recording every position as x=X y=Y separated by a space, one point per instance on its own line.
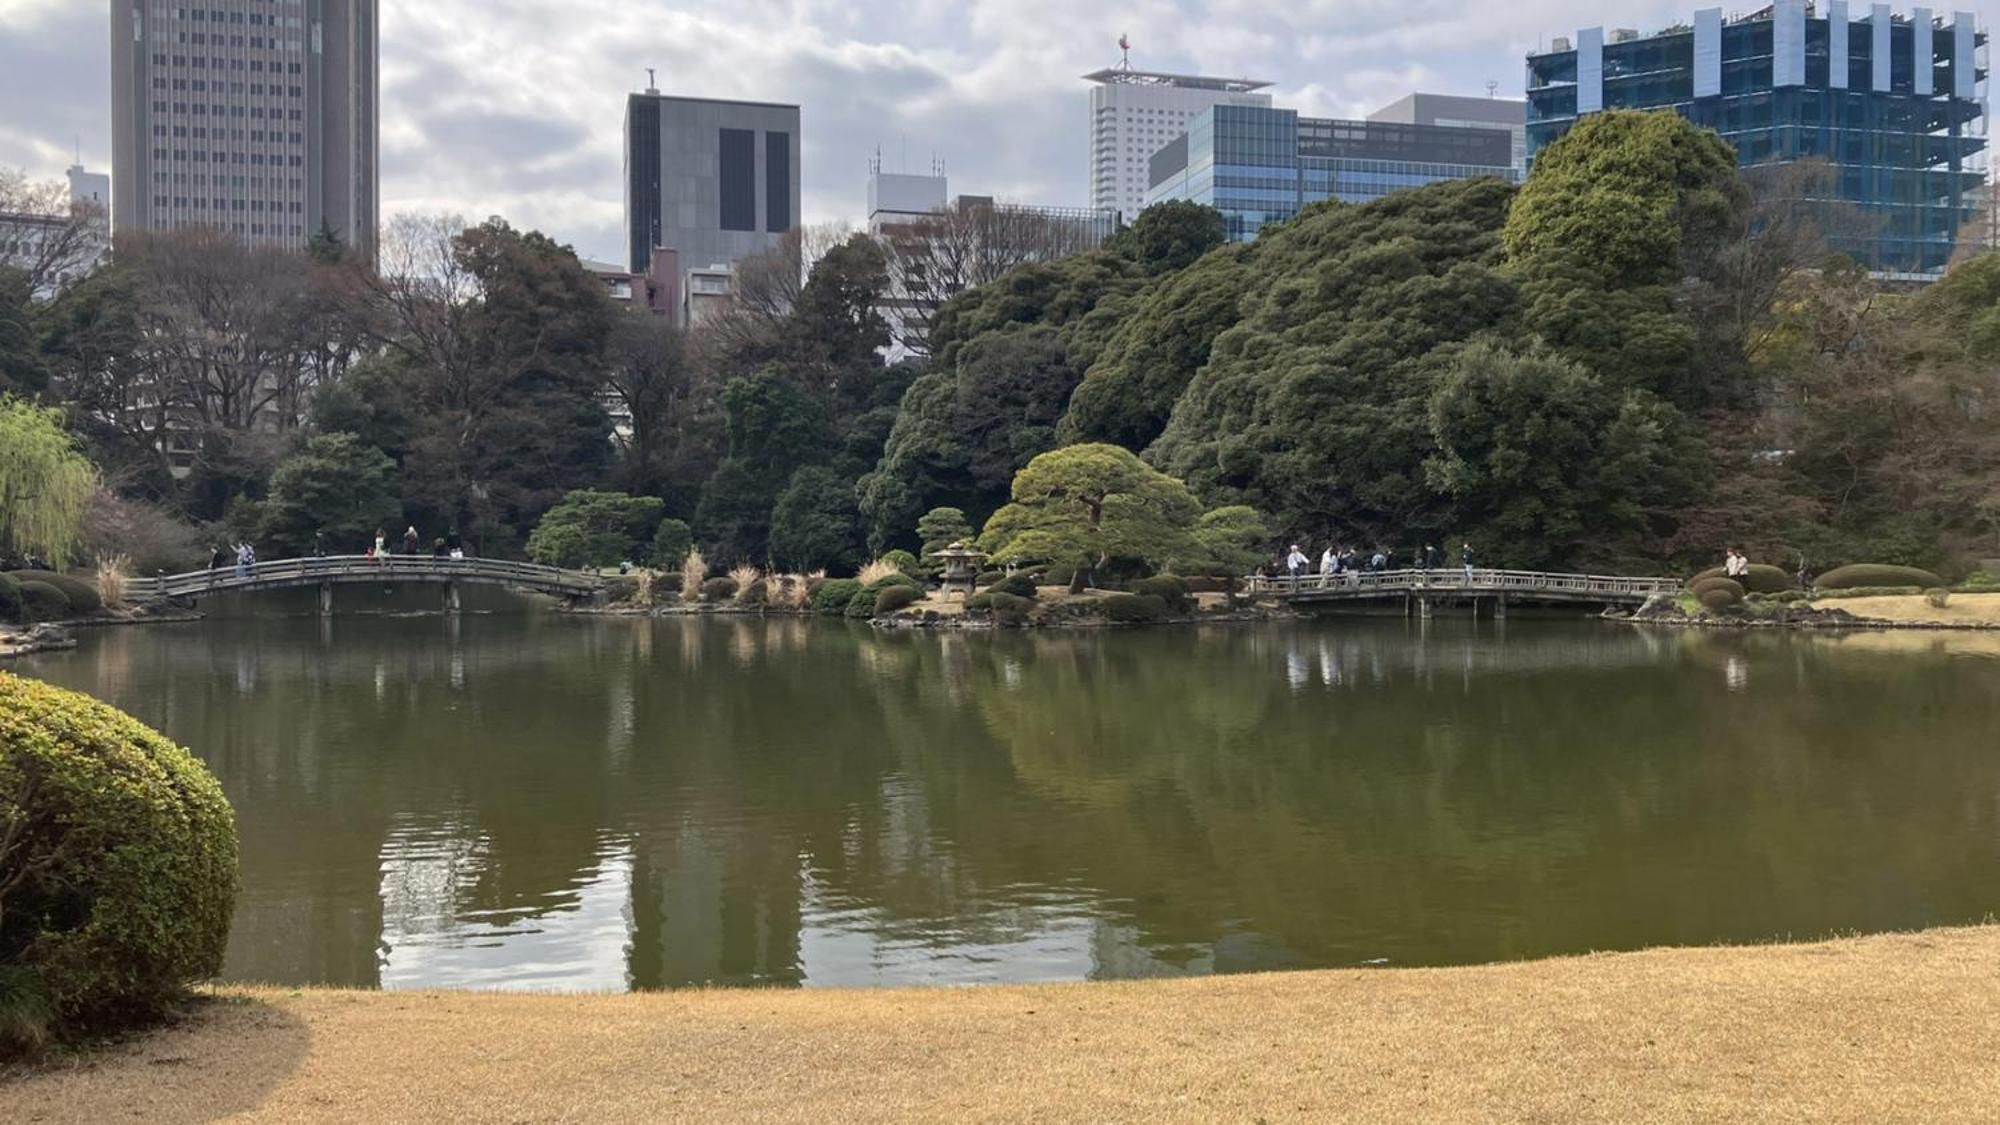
x=257 y=117
x=1456 y=111
x=713 y=181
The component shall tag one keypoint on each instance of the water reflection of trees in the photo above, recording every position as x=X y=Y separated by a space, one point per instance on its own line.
x=1200 y=799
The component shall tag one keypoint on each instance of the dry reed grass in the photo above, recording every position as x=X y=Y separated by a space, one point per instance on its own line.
x=694 y=571
x=1890 y=1028
x=788 y=591
x=114 y=577
x=878 y=570
x=642 y=594
x=745 y=576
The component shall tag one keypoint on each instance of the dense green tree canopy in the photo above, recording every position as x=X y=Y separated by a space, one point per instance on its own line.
x=1171 y=236
x=939 y=528
x=815 y=524
x=23 y=371
x=1088 y=504
x=591 y=528
x=335 y=487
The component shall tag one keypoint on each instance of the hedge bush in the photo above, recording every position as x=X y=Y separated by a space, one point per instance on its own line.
x=1010 y=610
x=1938 y=597
x=721 y=588
x=1134 y=609
x=82 y=596
x=1702 y=586
x=10 y=598
x=979 y=603
x=1720 y=597
x=43 y=602
x=1760 y=579
x=1876 y=574
x=1169 y=588
x=671 y=541
x=893 y=598
x=132 y=853
x=833 y=595
x=1059 y=576
x=905 y=562
x=988 y=577
x=1018 y=585
x=755 y=595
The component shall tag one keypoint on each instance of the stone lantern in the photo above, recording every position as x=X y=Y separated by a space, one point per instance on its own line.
x=961 y=564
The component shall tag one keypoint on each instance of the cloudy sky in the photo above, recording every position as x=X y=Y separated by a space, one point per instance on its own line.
x=515 y=107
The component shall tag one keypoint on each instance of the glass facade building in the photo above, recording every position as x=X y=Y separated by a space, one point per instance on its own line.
x=1895 y=105
x=1260 y=165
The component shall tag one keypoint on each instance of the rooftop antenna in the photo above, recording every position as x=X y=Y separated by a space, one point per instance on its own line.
x=1125 y=51
x=1492 y=88
x=652 y=83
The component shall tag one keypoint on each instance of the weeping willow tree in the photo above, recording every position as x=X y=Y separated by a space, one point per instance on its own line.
x=45 y=484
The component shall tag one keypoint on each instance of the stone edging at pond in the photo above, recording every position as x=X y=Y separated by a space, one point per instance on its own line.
x=919 y=618
x=1820 y=619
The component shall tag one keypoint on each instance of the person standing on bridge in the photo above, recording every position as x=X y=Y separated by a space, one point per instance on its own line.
x=410 y=541
x=319 y=545
x=1295 y=563
x=380 y=551
x=1329 y=562
x=246 y=559
x=1465 y=556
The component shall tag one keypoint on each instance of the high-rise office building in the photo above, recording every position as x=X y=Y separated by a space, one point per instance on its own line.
x=1261 y=166
x=1895 y=105
x=1455 y=111
x=712 y=181
x=1134 y=112
x=251 y=116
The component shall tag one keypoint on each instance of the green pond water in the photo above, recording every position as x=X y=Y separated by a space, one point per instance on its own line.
x=524 y=800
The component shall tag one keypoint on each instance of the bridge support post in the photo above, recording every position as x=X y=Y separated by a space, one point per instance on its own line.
x=451 y=602
x=1424 y=608
x=326 y=599
x=1500 y=607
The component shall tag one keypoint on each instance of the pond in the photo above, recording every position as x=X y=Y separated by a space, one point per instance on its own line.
x=522 y=799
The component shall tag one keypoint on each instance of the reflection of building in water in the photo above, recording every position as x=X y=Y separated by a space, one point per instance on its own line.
x=713 y=904
x=1118 y=952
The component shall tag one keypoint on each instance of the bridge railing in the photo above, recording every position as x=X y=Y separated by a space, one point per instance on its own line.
x=1450 y=580
x=333 y=568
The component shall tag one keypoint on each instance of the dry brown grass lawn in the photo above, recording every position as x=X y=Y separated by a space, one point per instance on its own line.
x=1964 y=609
x=1891 y=1028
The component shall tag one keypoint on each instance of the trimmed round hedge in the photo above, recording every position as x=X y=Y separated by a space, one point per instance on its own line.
x=1761 y=578
x=131 y=849
x=1701 y=586
x=43 y=602
x=82 y=596
x=10 y=598
x=1169 y=588
x=905 y=562
x=718 y=589
x=831 y=599
x=1134 y=609
x=893 y=598
x=1019 y=585
x=1009 y=610
x=1720 y=597
x=1877 y=575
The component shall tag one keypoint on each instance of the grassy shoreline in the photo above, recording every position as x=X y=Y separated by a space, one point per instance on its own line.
x=1891 y=1027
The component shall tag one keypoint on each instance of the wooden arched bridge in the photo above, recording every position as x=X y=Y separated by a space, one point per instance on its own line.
x=345 y=570
x=1419 y=591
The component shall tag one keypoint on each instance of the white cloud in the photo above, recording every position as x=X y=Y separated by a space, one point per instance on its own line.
x=516 y=107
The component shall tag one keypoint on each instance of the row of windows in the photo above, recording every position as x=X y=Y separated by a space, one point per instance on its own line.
x=220 y=203
x=200 y=110
x=271 y=183
x=255 y=158
x=254 y=136
x=275 y=230
x=253 y=42
x=203 y=62
x=255 y=89
x=217 y=15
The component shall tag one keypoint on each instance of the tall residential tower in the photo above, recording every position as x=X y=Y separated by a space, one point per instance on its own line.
x=251 y=116
x=1894 y=105
x=1134 y=112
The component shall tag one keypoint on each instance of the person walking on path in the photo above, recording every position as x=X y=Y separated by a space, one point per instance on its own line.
x=246 y=560
x=410 y=541
x=1329 y=564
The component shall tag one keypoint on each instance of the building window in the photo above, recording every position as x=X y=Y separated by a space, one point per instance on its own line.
x=777 y=182
x=738 y=175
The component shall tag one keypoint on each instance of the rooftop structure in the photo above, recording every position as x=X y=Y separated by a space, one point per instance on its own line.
x=1134 y=112
x=1895 y=105
x=1509 y=115
x=713 y=181
x=1260 y=166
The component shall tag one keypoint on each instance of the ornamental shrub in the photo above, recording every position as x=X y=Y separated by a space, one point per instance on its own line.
x=721 y=588
x=893 y=598
x=831 y=599
x=10 y=598
x=1703 y=585
x=1170 y=589
x=905 y=562
x=1721 y=597
x=1760 y=579
x=1018 y=585
x=883 y=583
x=988 y=577
x=671 y=541
x=1877 y=574
x=1010 y=610
x=1134 y=609
x=979 y=603
x=129 y=855
x=82 y=596
x=43 y=602
x=1937 y=597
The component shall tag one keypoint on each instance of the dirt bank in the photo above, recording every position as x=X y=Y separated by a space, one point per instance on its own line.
x=1882 y=1028
x=1962 y=610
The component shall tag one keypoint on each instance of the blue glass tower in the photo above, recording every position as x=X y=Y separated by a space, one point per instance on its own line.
x=1895 y=105
x=1259 y=165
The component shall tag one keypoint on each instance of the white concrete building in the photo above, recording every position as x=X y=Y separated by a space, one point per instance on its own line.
x=1134 y=113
